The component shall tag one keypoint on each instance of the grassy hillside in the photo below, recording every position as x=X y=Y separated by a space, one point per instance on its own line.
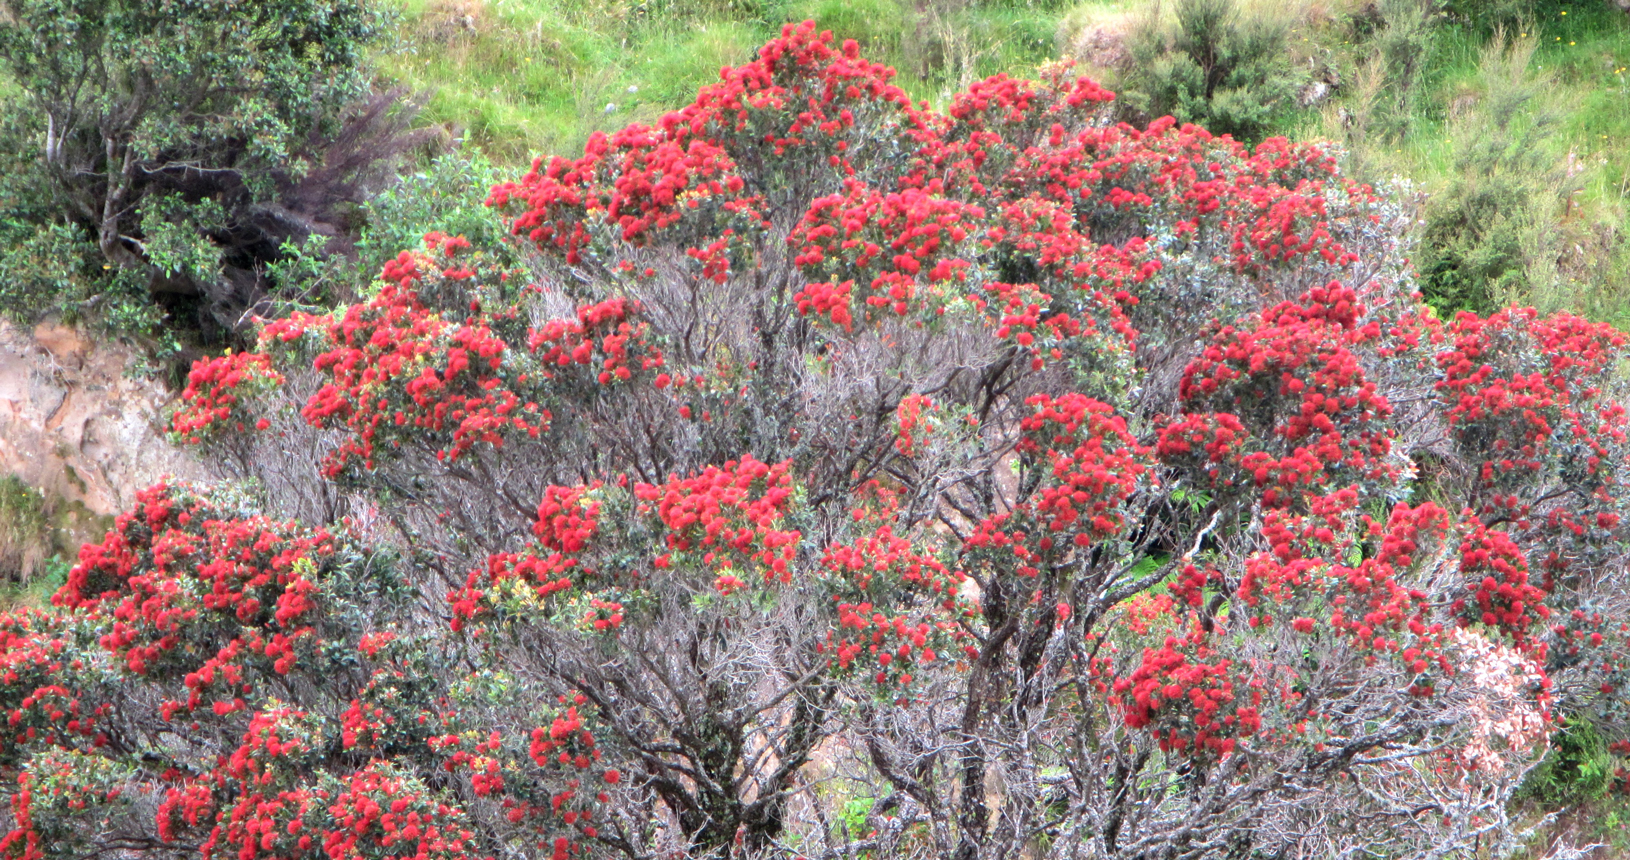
x=1513 y=118
x=1536 y=115
x=519 y=77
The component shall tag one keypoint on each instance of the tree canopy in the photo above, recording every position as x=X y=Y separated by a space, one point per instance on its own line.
x=167 y=148
x=838 y=477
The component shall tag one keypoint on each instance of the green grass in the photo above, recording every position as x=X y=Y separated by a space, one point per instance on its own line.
x=1588 y=51
x=1580 y=68
x=520 y=78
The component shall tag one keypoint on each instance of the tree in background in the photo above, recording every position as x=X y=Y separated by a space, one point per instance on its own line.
x=168 y=149
x=1218 y=67
x=834 y=477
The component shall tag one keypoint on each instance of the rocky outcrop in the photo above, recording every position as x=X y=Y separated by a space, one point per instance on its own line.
x=79 y=426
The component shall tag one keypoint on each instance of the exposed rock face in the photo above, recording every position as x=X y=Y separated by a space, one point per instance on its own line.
x=76 y=426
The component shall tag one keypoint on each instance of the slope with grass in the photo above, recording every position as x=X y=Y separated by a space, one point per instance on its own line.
x=520 y=77
x=1517 y=132
x=1511 y=118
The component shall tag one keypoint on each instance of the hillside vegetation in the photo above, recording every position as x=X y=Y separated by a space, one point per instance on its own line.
x=1512 y=118
x=889 y=445
x=819 y=474
x=1509 y=121
x=523 y=77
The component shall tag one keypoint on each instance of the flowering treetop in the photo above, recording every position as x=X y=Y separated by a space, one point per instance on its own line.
x=831 y=440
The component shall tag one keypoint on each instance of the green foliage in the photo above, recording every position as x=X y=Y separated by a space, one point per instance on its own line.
x=1521 y=159
x=1217 y=67
x=946 y=45
x=853 y=817
x=1492 y=233
x=40 y=534
x=36 y=591
x=1492 y=13
x=1578 y=768
x=447 y=195
x=139 y=162
x=25 y=529
x=1400 y=53
x=1488 y=16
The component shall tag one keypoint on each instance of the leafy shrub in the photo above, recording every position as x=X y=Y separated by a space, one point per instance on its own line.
x=447 y=195
x=1577 y=769
x=144 y=164
x=1401 y=51
x=26 y=537
x=1217 y=67
x=827 y=435
x=1494 y=232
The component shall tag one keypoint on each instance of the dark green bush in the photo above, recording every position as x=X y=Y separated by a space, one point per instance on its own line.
x=1217 y=67
x=164 y=149
x=1577 y=769
x=447 y=195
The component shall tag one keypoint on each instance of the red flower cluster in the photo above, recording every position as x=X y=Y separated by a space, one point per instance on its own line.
x=798 y=97
x=882 y=570
x=608 y=338
x=189 y=593
x=566 y=518
x=894 y=253
x=1187 y=703
x=382 y=813
x=374 y=812
x=214 y=394
x=401 y=373
x=1296 y=583
x=1495 y=572
x=1524 y=396
x=1291 y=382
x=1000 y=104
x=1093 y=464
x=1096 y=464
x=38 y=695
x=729 y=515
x=1265 y=207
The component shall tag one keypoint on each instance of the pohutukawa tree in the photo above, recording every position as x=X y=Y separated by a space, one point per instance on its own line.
x=849 y=478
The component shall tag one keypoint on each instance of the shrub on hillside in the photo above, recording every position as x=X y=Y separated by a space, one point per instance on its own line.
x=844 y=478
x=1218 y=67
x=1498 y=229
x=158 y=153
